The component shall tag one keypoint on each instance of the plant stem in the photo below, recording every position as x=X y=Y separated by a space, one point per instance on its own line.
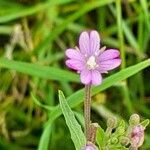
x=87 y=110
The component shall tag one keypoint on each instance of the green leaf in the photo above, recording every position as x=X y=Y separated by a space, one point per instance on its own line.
x=20 y=11
x=76 y=132
x=145 y=8
x=80 y=118
x=88 y=6
x=45 y=72
x=100 y=137
x=145 y=123
x=37 y=102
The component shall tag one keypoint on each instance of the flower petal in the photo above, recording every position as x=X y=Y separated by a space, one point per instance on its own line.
x=96 y=77
x=109 y=64
x=85 y=76
x=75 y=64
x=94 y=42
x=109 y=54
x=74 y=54
x=102 y=70
x=84 y=43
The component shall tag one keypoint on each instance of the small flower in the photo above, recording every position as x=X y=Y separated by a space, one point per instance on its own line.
x=91 y=61
x=137 y=136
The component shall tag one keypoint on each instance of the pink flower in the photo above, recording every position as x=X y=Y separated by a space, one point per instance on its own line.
x=91 y=61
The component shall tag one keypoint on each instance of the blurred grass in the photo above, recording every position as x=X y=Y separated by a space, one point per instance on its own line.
x=34 y=36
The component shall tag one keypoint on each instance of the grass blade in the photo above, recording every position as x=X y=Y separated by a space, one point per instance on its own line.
x=120 y=32
x=27 y=11
x=37 y=102
x=39 y=71
x=59 y=29
x=45 y=138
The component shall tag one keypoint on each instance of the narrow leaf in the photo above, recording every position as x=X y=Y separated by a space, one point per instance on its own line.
x=45 y=138
x=76 y=132
x=145 y=123
x=37 y=102
x=39 y=70
x=27 y=11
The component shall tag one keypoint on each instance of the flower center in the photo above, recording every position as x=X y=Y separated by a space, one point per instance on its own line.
x=91 y=63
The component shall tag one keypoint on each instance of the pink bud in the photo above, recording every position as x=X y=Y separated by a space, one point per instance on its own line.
x=137 y=136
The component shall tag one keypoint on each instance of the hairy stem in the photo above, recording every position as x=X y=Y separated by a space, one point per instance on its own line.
x=87 y=111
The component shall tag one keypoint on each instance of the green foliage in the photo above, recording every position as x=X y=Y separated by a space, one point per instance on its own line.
x=117 y=138
x=100 y=137
x=39 y=71
x=76 y=132
x=34 y=36
x=145 y=123
x=37 y=102
x=44 y=144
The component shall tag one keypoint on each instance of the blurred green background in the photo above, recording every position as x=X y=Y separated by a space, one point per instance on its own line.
x=38 y=32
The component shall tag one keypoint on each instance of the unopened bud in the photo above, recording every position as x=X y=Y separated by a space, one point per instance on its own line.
x=120 y=131
x=134 y=119
x=137 y=136
x=112 y=122
x=114 y=140
x=124 y=141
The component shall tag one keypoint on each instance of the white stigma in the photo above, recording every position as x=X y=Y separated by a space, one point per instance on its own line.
x=91 y=63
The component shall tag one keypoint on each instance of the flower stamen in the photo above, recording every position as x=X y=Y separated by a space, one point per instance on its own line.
x=91 y=63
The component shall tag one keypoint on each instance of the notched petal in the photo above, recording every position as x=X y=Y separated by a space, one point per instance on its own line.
x=110 y=64
x=85 y=76
x=94 y=42
x=74 y=54
x=108 y=55
x=96 y=77
x=75 y=64
x=84 y=42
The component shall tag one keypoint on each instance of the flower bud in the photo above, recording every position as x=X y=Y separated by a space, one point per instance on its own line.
x=120 y=131
x=134 y=119
x=112 y=122
x=114 y=140
x=124 y=141
x=137 y=136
